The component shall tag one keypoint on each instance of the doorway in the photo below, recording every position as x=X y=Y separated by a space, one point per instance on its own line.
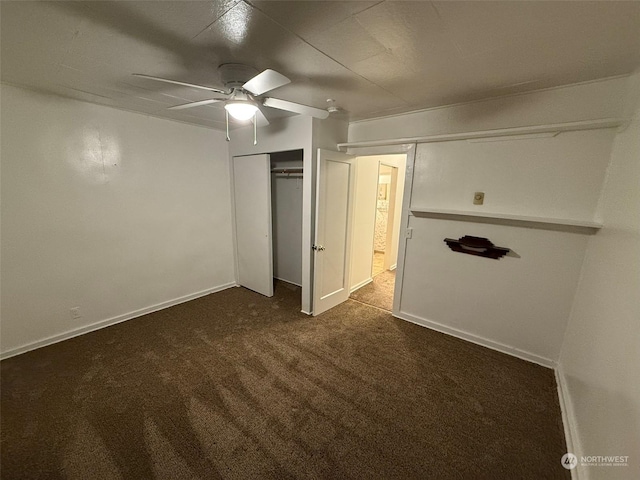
x=268 y=244
x=378 y=204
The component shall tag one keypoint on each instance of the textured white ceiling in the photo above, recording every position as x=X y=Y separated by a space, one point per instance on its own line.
x=374 y=58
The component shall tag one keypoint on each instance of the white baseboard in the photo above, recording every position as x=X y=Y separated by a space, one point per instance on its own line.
x=288 y=281
x=568 y=419
x=470 y=337
x=361 y=284
x=110 y=321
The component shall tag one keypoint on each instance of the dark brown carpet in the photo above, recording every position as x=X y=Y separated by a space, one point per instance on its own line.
x=235 y=385
x=378 y=293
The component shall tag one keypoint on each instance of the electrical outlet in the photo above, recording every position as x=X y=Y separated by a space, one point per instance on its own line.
x=478 y=198
x=75 y=313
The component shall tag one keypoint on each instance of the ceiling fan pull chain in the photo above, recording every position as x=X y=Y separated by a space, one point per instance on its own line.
x=255 y=128
x=226 y=116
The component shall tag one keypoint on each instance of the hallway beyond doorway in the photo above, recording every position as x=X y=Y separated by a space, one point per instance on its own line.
x=376 y=228
x=378 y=293
x=378 y=263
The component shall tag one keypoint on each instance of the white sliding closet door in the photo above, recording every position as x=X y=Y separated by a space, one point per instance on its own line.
x=252 y=195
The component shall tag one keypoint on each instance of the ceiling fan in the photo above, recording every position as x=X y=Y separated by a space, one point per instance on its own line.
x=243 y=94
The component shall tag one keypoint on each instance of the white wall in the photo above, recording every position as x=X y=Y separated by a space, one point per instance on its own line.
x=587 y=101
x=364 y=214
x=519 y=304
x=601 y=352
x=286 y=206
x=109 y=211
x=559 y=176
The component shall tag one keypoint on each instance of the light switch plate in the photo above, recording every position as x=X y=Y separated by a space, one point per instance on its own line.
x=478 y=198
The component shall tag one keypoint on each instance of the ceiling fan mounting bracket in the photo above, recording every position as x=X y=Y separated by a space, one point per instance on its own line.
x=235 y=75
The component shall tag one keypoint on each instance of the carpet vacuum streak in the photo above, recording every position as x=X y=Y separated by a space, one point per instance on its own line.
x=235 y=385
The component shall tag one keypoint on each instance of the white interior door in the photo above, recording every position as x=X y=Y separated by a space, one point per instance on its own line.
x=334 y=213
x=252 y=199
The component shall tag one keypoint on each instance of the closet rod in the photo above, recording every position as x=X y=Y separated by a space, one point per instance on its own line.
x=286 y=170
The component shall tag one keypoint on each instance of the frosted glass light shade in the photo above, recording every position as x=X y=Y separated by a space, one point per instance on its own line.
x=241 y=110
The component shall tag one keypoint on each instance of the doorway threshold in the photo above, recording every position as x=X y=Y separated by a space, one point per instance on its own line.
x=378 y=293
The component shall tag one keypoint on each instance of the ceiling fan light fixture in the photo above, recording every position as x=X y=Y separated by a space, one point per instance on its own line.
x=241 y=109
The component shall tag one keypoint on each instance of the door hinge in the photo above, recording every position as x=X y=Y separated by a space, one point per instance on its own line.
x=318 y=248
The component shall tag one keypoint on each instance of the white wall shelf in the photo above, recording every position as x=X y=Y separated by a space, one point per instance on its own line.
x=556 y=128
x=507 y=219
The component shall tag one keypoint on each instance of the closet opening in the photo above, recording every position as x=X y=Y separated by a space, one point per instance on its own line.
x=268 y=218
x=286 y=215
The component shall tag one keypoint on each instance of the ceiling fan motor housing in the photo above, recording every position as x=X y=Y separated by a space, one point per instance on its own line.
x=235 y=75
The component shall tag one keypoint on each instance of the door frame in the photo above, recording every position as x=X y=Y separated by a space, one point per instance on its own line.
x=309 y=207
x=408 y=149
x=266 y=146
x=391 y=210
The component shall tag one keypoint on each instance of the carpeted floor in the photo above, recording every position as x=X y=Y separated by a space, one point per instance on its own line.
x=236 y=385
x=378 y=293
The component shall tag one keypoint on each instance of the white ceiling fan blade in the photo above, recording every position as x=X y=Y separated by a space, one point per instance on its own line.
x=261 y=118
x=265 y=81
x=295 y=107
x=195 y=104
x=166 y=80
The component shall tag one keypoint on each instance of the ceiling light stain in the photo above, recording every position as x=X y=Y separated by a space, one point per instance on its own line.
x=235 y=23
